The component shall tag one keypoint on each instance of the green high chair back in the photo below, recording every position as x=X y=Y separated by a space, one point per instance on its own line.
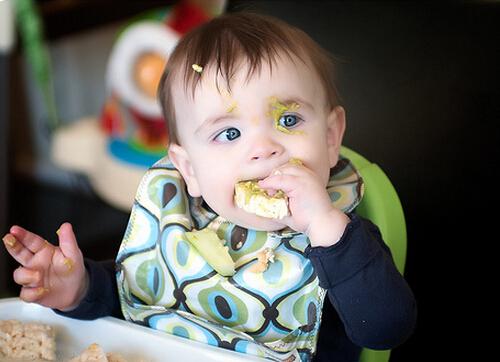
x=381 y=205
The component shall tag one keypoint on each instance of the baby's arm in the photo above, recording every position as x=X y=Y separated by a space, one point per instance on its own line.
x=375 y=303
x=52 y=276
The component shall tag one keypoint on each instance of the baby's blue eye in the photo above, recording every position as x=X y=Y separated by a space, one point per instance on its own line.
x=288 y=120
x=229 y=134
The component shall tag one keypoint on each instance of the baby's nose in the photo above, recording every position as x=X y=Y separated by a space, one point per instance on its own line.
x=266 y=149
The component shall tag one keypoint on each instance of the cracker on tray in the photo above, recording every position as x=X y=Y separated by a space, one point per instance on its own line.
x=28 y=341
x=95 y=353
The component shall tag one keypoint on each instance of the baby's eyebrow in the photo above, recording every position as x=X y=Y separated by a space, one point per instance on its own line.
x=212 y=121
x=291 y=100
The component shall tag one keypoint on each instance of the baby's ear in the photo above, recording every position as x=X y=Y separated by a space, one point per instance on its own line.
x=335 y=133
x=182 y=163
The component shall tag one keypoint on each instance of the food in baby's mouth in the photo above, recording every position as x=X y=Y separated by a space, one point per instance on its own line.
x=255 y=200
x=213 y=250
x=27 y=341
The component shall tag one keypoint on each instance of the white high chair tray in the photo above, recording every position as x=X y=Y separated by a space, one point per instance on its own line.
x=133 y=342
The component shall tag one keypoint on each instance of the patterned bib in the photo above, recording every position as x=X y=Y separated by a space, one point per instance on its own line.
x=164 y=283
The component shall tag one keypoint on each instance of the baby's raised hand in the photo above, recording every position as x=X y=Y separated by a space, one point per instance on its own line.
x=311 y=209
x=53 y=276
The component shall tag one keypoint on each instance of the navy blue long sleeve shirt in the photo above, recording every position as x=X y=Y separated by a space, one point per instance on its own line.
x=369 y=302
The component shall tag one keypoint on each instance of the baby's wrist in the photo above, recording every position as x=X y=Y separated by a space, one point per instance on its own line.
x=80 y=294
x=328 y=229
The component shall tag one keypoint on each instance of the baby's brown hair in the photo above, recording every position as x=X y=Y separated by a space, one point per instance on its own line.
x=225 y=41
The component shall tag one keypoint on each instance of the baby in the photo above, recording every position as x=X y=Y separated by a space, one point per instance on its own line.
x=247 y=98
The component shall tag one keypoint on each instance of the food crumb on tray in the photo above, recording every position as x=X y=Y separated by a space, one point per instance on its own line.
x=95 y=353
x=27 y=341
x=32 y=341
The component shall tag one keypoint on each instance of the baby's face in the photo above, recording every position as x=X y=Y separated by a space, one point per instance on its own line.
x=246 y=134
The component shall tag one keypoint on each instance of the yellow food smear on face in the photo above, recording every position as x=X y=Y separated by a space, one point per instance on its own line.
x=228 y=99
x=295 y=161
x=41 y=290
x=276 y=111
x=232 y=107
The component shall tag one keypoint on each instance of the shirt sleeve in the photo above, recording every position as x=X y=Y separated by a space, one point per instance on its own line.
x=372 y=299
x=102 y=298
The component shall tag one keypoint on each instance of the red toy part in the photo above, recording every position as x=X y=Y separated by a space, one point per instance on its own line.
x=187 y=16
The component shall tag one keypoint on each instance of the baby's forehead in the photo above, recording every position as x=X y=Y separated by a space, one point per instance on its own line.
x=212 y=78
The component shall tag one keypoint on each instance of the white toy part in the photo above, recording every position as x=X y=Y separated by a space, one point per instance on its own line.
x=6 y=26
x=82 y=147
x=140 y=38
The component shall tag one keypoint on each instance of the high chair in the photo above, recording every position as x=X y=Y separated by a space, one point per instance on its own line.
x=382 y=206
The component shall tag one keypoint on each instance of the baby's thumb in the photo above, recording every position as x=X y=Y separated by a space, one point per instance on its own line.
x=67 y=241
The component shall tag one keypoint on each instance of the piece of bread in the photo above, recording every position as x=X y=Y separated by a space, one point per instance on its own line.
x=95 y=353
x=253 y=199
x=27 y=341
x=115 y=357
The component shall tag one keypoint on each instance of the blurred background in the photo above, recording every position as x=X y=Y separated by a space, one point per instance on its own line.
x=419 y=85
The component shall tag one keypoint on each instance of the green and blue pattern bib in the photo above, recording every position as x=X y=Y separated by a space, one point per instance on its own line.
x=164 y=283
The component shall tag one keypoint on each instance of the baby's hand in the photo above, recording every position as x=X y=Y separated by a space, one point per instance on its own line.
x=53 y=276
x=311 y=210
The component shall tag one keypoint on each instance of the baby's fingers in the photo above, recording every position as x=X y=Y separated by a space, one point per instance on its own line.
x=70 y=253
x=17 y=250
x=33 y=242
x=67 y=241
x=286 y=183
x=31 y=295
x=27 y=277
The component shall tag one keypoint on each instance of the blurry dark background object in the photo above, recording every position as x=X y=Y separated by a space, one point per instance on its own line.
x=3 y=161
x=65 y=17
x=419 y=84
x=6 y=45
